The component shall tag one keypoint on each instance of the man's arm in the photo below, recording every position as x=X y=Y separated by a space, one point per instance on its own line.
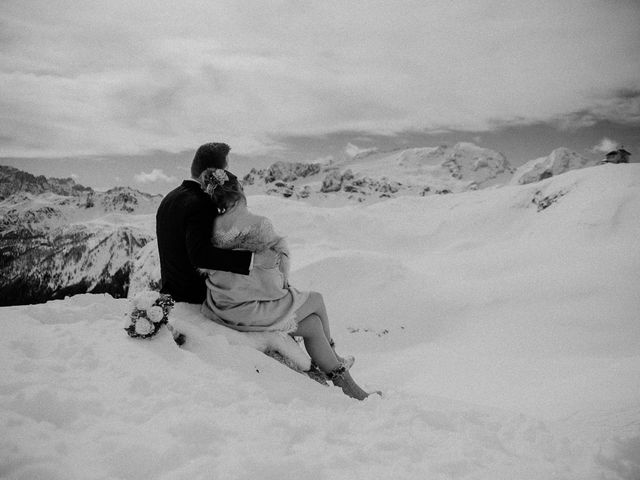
x=202 y=254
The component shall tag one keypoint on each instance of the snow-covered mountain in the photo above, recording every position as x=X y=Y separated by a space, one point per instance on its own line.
x=370 y=175
x=559 y=161
x=13 y=181
x=500 y=324
x=59 y=238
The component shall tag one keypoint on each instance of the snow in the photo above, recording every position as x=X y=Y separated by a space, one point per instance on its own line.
x=501 y=325
x=558 y=161
x=433 y=166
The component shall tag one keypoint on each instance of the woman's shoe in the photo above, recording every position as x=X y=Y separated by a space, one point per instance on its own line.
x=341 y=377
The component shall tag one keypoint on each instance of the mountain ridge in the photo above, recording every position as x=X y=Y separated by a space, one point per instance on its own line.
x=58 y=237
x=369 y=175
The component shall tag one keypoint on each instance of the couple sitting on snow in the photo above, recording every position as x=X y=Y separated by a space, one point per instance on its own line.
x=214 y=251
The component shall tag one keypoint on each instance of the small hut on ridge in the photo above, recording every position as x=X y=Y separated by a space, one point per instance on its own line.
x=617 y=156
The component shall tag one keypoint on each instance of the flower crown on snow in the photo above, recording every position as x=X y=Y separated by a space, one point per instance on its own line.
x=149 y=311
x=214 y=177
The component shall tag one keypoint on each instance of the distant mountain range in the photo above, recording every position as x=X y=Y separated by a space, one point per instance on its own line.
x=59 y=238
x=371 y=175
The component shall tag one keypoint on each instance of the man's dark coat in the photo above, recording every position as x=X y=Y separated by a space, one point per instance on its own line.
x=184 y=226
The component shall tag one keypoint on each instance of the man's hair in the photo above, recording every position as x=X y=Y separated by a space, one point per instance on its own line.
x=209 y=155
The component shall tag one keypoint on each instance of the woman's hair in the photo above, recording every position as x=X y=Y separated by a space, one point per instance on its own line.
x=223 y=187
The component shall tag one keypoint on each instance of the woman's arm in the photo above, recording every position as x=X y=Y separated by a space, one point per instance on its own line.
x=284 y=265
x=278 y=244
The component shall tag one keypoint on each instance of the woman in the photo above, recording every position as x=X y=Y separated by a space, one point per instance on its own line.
x=264 y=300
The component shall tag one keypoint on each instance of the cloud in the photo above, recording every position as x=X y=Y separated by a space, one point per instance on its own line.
x=605 y=146
x=156 y=175
x=130 y=77
x=575 y=121
x=353 y=150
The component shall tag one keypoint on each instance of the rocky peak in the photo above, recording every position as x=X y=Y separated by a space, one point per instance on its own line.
x=282 y=172
x=126 y=199
x=469 y=161
x=13 y=181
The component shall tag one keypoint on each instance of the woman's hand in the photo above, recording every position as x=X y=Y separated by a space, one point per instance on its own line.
x=265 y=259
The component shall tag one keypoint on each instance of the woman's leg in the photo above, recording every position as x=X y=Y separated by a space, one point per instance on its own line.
x=315 y=306
x=311 y=329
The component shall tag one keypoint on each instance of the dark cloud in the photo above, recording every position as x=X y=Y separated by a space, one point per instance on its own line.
x=628 y=93
x=127 y=77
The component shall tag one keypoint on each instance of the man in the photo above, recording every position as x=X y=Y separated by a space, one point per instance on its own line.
x=184 y=225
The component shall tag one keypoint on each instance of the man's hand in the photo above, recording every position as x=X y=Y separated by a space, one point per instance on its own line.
x=265 y=259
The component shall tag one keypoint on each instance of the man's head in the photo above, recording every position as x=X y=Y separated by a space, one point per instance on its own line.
x=209 y=155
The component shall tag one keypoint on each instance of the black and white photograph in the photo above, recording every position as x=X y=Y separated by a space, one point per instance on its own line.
x=320 y=240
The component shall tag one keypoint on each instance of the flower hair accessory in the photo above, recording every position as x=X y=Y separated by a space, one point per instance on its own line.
x=213 y=178
x=149 y=311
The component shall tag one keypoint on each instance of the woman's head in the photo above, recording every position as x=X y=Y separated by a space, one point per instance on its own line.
x=223 y=187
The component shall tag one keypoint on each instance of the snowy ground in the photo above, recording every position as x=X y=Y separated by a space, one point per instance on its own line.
x=501 y=324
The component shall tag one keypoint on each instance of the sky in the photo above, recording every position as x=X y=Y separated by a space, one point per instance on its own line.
x=105 y=89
